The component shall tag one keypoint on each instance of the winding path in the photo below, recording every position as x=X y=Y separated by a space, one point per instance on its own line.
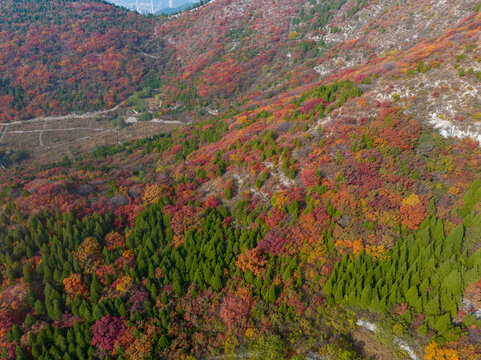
x=86 y=115
x=97 y=131
x=1 y=164
x=4 y=127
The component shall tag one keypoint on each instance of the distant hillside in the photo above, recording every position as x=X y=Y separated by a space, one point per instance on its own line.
x=64 y=56
x=173 y=10
x=158 y=6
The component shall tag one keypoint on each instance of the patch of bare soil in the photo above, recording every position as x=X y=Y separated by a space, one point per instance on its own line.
x=372 y=349
x=50 y=140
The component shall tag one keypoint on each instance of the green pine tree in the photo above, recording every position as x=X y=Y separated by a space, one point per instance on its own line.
x=216 y=282
x=366 y=297
x=228 y=193
x=95 y=289
x=177 y=284
x=338 y=295
x=164 y=342
x=271 y=297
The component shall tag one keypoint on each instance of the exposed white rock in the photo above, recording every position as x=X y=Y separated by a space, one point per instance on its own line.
x=401 y=343
x=448 y=129
x=366 y=325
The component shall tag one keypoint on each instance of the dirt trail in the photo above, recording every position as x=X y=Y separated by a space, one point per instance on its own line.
x=1 y=164
x=150 y=55
x=86 y=115
x=46 y=119
x=160 y=121
x=2 y=131
x=63 y=129
x=46 y=134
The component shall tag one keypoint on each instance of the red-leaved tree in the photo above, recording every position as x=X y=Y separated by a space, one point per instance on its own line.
x=106 y=331
x=234 y=310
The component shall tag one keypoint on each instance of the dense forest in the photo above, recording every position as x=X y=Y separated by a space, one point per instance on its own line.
x=125 y=253
x=305 y=212
x=64 y=56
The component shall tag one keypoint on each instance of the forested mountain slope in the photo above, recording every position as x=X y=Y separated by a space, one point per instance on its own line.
x=322 y=197
x=63 y=56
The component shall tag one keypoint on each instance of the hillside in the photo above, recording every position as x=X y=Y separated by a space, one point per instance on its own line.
x=323 y=202
x=158 y=6
x=58 y=57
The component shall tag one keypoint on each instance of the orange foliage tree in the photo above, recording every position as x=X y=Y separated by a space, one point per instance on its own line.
x=154 y=193
x=140 y=347
x=413 y=212
x=252 y=260
x=74 y=285
x=89 y=255
x=355 y=246
x=114 y=240
x=435 y=352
